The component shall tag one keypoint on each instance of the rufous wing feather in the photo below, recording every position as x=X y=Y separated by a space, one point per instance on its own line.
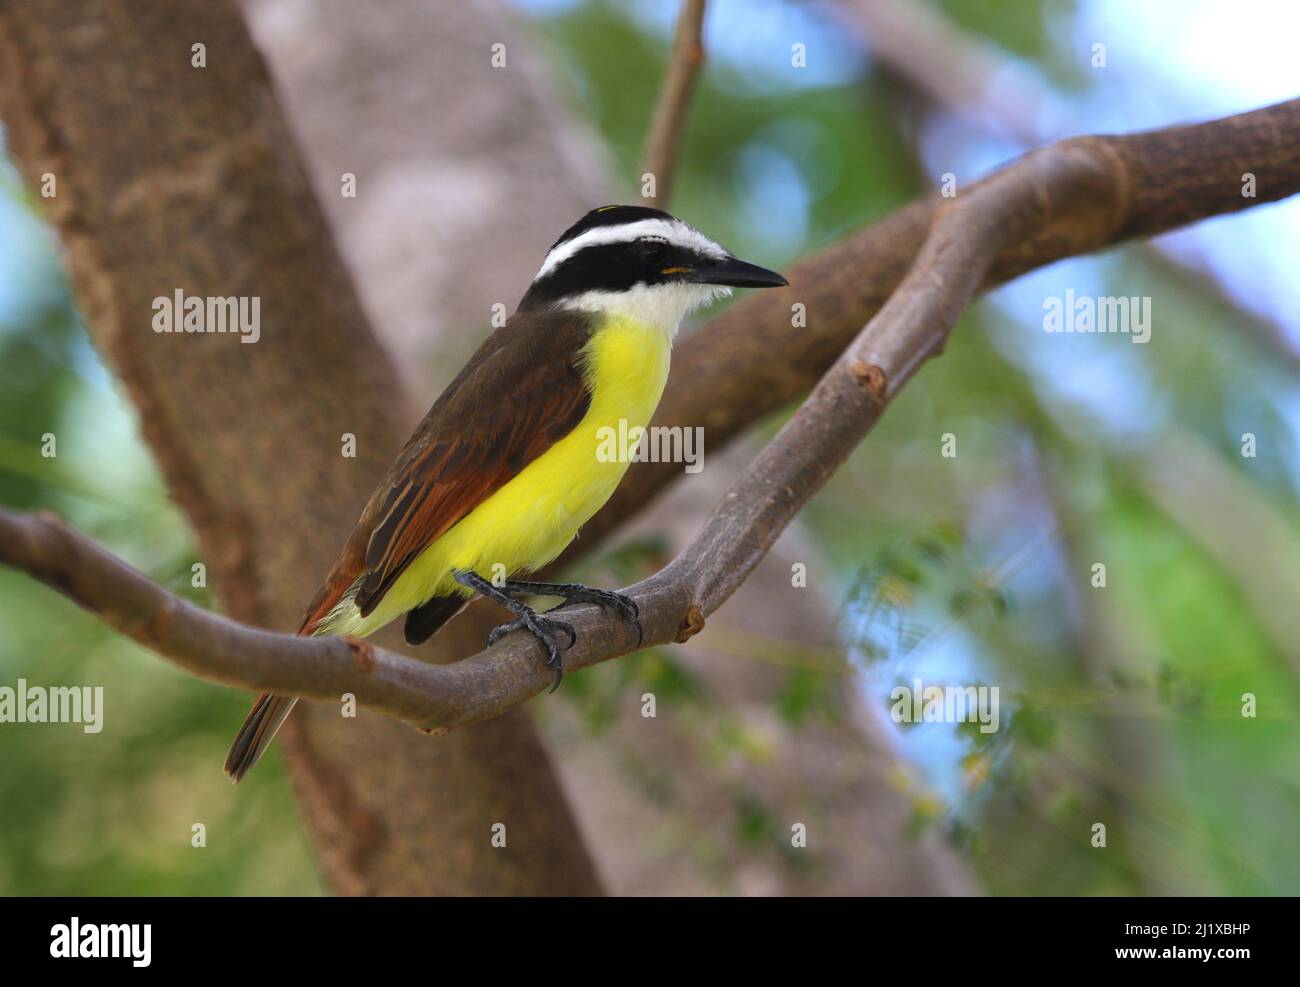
x=520 y=393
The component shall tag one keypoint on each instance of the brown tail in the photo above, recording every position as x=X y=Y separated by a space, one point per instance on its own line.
x=270 y=711
x=255 y=735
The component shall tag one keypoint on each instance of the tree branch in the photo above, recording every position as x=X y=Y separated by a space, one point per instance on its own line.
x=1090 y=191
x=971 y=77
x=665 y=135
x=959 y=70
x=748 y=362
x=207 y=644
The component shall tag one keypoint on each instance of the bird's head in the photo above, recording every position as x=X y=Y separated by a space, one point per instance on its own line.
x=641 y=263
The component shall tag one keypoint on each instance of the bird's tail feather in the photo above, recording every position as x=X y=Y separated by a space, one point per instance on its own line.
x=270 y=711
x=258 y=731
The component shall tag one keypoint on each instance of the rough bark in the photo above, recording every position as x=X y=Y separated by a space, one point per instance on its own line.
x=175 y=177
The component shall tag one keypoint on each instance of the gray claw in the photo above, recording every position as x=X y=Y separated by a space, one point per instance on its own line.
x=544 y=629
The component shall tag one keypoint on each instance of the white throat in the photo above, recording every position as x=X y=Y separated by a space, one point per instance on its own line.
x=661 y=306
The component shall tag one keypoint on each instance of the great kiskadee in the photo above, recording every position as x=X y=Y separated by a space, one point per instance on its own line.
x=504 y=469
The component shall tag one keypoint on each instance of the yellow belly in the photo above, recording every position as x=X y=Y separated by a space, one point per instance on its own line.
x=530 y=520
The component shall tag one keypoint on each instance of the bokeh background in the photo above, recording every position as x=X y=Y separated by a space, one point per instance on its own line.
x=1121 y=703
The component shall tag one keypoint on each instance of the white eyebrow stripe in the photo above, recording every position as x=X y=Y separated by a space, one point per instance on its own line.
x=678 y=234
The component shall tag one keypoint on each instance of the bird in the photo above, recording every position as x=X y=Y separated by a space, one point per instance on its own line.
x=503 y=471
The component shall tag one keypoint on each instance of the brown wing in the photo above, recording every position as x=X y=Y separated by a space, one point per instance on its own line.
x=519 y=394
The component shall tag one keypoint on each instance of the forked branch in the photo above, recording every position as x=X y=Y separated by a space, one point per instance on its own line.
x=1070 y=197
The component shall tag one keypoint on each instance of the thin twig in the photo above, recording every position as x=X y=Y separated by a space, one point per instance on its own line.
x=665 y=136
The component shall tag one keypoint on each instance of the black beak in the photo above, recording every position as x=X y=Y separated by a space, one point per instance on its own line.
x=735 y=273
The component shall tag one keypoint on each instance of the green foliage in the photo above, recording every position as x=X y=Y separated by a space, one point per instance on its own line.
x=1121 y=704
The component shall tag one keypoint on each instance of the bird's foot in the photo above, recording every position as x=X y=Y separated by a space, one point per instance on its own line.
x=546 y=630
x=572 y=593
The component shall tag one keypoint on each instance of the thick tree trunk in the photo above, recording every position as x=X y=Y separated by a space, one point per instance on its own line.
x=455 y=201
x=171 y=176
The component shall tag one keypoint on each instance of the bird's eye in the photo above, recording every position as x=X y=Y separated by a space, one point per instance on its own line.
x=654 y=251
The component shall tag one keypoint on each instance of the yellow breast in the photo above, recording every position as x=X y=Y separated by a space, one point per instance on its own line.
x=530 y=520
